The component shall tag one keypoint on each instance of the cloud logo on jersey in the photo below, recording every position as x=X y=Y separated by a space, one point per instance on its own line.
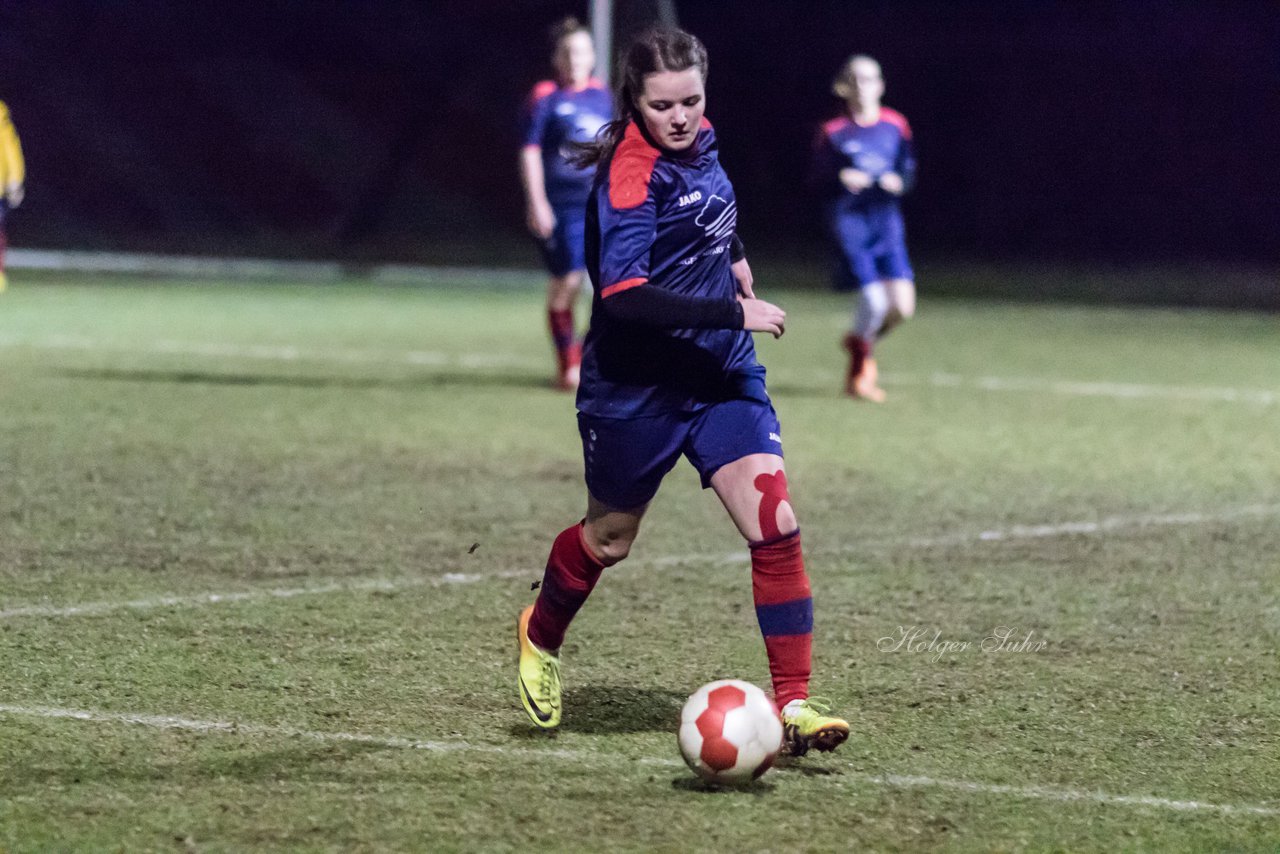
x=718 y=216
x=587 y=125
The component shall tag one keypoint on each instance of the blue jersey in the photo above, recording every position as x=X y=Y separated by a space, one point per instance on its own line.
x=875 y=149
x=556 y=116
x=660 y=219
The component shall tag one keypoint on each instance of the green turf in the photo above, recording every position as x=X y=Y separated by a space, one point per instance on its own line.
x=378 y=471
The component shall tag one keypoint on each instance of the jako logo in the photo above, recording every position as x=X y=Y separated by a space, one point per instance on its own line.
x=695 y=196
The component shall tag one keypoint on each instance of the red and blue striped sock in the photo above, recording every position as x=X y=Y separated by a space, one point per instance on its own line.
x=571 y=574
x=784 y=608
x=560 y=322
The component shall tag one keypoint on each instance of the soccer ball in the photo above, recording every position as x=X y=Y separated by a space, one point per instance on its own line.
x=730 y=732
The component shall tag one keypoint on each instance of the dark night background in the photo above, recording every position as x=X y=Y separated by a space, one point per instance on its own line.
x=1046 y=129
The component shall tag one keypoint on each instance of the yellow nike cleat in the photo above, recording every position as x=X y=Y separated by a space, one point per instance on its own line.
x=539 y=679
x=806 y=724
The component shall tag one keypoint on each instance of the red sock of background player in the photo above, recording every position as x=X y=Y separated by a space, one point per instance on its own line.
x=859 y=349
x=560 y=322
x=784 y=603
x=572 y=571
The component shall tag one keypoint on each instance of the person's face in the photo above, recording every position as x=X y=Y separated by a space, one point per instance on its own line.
x=866 y=85
x=575 y=58
x=672 y=105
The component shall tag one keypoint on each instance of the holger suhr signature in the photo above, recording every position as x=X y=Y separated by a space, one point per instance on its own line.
x=929 y=640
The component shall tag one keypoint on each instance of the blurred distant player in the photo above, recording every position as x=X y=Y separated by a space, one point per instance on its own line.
x=864 y=164
x=13 y=175
x=571 y=108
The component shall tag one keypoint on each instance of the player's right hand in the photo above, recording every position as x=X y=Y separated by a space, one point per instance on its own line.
x=892 y=183
x=855 y=180
x=541 y=220
x=14 y=194
x=761 y=316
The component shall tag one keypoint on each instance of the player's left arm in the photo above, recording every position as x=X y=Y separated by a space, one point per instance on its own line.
x=902 y=179
x=741 y=269
x=906 y=164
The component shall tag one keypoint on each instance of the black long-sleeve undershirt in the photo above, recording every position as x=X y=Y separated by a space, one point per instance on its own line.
x=654 y=306
x=658 y=307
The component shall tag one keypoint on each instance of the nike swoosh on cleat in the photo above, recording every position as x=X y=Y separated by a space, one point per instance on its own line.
x=533 y=707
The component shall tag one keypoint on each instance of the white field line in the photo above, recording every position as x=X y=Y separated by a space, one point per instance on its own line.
x=1048 y=793
x=993 y=535
x=1101 y=526
x=1055 y=793
x=1096 y=389
x=481 y=361
x=271 y=352
x=378 y=584
x=998 y=535
x=265 y=268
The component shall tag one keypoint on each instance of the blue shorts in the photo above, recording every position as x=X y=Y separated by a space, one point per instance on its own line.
x=872 y=247
x=563 y=252
x=626 y=458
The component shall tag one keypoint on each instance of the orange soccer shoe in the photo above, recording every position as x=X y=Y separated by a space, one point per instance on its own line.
x=863 y=385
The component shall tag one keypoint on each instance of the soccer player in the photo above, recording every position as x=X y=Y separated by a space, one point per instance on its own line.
x=560 y=112
x=13 y=175
x=669 y=369
x=864 y=164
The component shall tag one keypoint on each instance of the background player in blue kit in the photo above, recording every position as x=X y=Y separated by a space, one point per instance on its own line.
x=560 y=112
x=864 y=163
x=669 y=369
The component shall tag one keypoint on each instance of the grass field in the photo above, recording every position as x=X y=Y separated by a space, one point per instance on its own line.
x=262 y=547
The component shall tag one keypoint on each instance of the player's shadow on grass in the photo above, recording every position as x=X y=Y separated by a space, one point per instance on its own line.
x=614 y=709
x=606 y=709
x=416 y=381
x=796 y=765
x=699 y=786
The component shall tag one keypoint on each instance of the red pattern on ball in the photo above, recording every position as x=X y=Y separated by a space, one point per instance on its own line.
x=717 y=751
x=726 y=698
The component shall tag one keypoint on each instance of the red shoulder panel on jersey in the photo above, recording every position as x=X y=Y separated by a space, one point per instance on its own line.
x=624 y=285
x=631 y=169
x=705 y=125
x=834 y=125
x=896 y=119
x=542 y=90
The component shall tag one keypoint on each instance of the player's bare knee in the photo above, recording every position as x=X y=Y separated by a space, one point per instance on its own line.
x=786 y=519
x=904 y=299
x=609 y=546
x=562 y=291
x=776 y=517
x=611 y=551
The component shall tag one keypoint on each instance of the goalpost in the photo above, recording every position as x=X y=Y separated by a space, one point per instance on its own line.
x=613 y=21
x=602 y=34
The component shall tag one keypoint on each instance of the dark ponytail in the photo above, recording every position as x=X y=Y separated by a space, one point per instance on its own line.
x=655 y=50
